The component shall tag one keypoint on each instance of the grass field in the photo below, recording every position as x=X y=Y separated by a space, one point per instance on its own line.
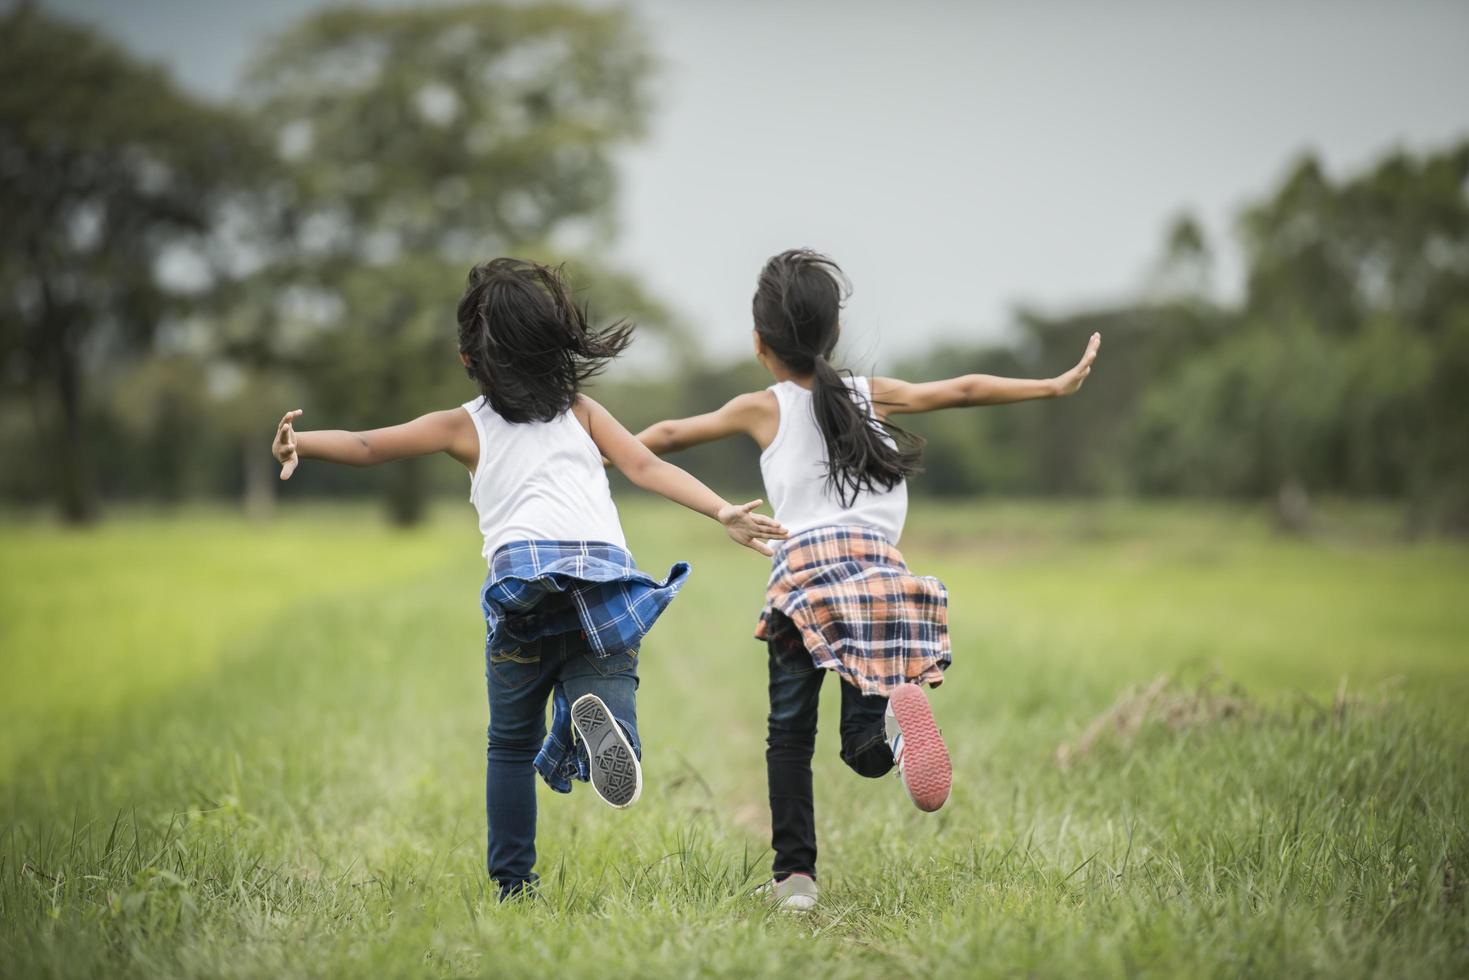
x=236 y=750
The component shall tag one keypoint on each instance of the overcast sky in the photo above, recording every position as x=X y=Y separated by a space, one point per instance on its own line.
x=956 y=158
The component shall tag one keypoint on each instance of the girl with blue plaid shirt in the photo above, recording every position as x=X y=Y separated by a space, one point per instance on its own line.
x=565 y=605
x=840 y=596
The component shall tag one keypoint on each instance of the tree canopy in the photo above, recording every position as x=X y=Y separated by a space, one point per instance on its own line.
x=104 y=165
x=421 y=140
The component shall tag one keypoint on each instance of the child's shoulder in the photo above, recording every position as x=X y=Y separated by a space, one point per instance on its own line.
x=754 y=402
x=756 y=413
x=753 y=411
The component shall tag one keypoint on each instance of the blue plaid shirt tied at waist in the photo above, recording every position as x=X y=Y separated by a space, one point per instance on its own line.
x=541 y=588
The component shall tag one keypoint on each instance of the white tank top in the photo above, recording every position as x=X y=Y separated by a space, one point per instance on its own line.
x=794 y=468
x=539 y=481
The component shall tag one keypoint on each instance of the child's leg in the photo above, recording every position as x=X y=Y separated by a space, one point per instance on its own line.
x=615 y=774
x=614 y=679
x=864 y=735
x=795 y=694
x=519 y=681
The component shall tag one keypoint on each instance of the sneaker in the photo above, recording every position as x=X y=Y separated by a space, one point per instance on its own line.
x=616 y=774
x=918 y=748
x=793 y=893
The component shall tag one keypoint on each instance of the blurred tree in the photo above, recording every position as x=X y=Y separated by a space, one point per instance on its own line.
x=146 y=404
x=1184 y=273
x=251 y=353
x=1341 y=371
x=1246 y=419
x=422 y=140
x=1337 y=373
x=1388 y=241
x=1071 y=446
x=104 y=165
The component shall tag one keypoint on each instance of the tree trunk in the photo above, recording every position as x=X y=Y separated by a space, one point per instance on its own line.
x=407 y=494
x=260 y=481
x=1293 y=508
x=74 y=494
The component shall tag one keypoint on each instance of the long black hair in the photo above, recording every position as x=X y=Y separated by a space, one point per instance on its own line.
x=798 y=301
x=527 y=341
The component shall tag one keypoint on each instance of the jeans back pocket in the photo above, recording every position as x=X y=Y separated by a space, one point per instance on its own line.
x=517 y=667
x=617 y=663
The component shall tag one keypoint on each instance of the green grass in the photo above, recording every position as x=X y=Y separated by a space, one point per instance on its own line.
x=235 y=750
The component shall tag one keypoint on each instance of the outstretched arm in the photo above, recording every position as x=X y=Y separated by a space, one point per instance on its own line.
x=755 y=414
x=893 y=397
x=646 y=470
x=450 y=431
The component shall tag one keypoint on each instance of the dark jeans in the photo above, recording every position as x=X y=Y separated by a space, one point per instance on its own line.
x=795 y=690
x=520 y=683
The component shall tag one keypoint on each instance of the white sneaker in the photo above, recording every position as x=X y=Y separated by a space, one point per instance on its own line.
x=793 y=893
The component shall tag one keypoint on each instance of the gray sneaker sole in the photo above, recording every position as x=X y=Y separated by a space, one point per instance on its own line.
x=616 y=775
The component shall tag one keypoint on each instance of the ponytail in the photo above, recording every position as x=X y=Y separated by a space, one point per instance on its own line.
x=861 y=452
x=797 y=302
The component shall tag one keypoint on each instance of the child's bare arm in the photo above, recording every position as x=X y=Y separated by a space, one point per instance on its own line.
x=755 y=414
x=646 y=470
x=894 y=397
x=450 y=431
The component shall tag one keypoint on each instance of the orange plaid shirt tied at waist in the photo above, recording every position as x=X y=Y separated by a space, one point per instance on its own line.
x=846 y=595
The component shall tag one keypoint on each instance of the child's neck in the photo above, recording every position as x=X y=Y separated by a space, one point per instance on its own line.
x=782 y=373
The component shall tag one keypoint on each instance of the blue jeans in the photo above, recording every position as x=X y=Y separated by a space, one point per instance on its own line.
x=795 y=693
x=520 y=682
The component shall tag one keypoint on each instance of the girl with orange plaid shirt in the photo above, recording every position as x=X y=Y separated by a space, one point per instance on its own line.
x=840 y=596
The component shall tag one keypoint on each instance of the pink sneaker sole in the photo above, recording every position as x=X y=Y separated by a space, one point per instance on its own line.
x=927 y=772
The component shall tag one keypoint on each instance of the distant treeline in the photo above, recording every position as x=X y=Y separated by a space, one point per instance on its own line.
x=174 y=274
x=1340 y=371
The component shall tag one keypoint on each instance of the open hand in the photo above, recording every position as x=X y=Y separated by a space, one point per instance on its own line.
x=751 y=529
x=284 y=447
x=1070 y=382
